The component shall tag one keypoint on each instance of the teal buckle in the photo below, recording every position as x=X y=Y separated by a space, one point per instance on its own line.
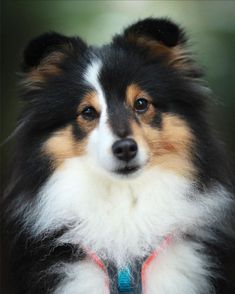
x=124 y=280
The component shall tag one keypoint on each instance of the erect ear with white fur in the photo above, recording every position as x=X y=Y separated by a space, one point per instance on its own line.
x=160 y=38
x=44 y=55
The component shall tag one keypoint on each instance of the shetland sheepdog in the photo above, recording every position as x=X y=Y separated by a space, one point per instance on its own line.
x=118 y=184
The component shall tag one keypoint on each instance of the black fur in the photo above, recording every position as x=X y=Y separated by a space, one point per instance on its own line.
x=161 y=30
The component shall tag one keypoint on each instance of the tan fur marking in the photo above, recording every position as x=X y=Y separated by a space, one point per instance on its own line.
x=89 y=99
x=134 y=92
x=180 y=59
x=170 y=147
x=61 y=145
x=155 y=47
x=49 y=66
x=176 y=56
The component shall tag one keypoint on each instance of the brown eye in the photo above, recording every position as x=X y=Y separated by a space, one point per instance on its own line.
x=141 y=105
x=89 y=113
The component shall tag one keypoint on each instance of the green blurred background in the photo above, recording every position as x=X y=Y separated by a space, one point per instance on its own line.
x=210 y=24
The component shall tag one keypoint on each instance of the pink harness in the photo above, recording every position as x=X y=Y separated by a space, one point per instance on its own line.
x=167 y=240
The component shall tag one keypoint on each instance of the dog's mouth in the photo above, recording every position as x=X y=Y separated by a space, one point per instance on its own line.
x=127 y=170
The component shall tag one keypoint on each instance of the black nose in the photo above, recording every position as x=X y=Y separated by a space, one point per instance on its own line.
x=125 y=149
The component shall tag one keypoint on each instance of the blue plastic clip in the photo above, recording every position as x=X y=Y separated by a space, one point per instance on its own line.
x=124 y=280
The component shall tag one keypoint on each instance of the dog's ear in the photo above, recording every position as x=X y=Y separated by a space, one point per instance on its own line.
x=159 y=38
x=44 y=55
x=161 y=31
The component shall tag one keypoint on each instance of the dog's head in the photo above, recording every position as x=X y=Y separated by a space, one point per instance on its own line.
x=125 y=107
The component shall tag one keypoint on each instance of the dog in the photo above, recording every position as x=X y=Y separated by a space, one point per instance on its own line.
x=118 y=183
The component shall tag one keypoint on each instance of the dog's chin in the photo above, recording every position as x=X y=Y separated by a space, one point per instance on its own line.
x=127 y=171
x=120 y=170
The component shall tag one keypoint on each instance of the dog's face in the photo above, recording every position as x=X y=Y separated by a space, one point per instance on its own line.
x=123 y=108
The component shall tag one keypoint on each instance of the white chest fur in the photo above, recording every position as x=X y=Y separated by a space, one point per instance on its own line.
x=117 y=218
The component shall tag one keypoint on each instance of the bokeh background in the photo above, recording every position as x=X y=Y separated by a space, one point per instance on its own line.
x=210 y=25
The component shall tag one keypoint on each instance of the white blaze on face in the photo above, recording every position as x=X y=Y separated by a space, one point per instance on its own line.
x=101 y=138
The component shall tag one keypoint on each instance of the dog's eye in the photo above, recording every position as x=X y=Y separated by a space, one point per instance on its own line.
x=89 y=113
x=141 y=105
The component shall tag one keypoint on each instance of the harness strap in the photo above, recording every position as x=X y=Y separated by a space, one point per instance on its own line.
x=166 y=242
x=130 y=279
